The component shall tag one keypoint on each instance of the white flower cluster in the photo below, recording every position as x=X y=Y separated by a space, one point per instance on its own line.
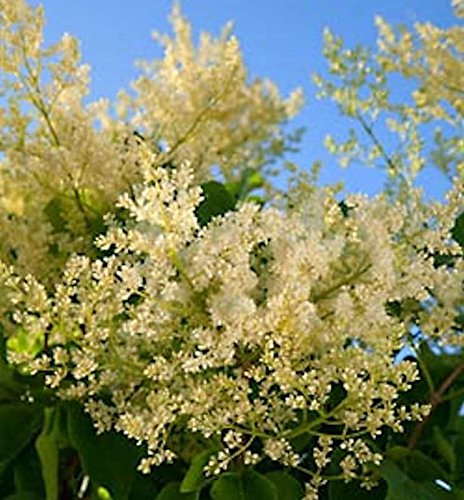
x=63 y=162
x=262 y=325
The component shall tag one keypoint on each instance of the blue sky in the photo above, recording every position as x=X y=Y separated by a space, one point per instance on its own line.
x=281 y=39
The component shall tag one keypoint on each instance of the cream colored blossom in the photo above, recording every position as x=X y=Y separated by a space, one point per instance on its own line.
x=231 y=346
x=64 y=162
x=199 y=101
x=428 y=60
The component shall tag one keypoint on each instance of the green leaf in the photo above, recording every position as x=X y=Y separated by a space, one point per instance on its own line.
x=403 y=309
x=24 y=495
x=445 y=448
x=249 y=486
x=103 y=494
x=416 y=464
x=89 y=200
x=458 y=230
x=19 y=422
x=302 y=442
x=2 y=345
x=402 y=487
x=24 y=342
x=339 y=490
x=54 y=211
x=254 y=198
x=250 y=179
x=254 y=179
x=195 y=478
x=14 y=385
x=172 y=491
x=27 y=472
x=47 y=448
x=10 y=388
x=109 y=459
x=459 y=450
x=217 y=201
x=288 y=488
x=145 y=486
x=439 y=365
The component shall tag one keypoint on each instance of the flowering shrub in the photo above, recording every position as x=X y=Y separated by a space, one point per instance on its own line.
x=223 y=347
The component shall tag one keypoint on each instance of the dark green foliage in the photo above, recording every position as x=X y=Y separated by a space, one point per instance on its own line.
x=458 y=230
x=416 y=464
x=25 y=495
x=48 y=450
x=86 y=202
x=109 y=459
x=288 y=488
x=247 y=486
x=217 y=200
x=19 y=423
x=54 y=211
x=195 y=478
x=402 y=487
x=339 y=490
x=172 y=491
x=28 y=473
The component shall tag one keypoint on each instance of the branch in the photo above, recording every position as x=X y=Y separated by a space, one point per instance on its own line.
x=370 y=132
x=199 y=118
x=436 y=398
x=325 y=294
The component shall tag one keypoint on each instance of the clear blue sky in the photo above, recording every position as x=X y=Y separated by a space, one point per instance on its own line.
x=281 y=39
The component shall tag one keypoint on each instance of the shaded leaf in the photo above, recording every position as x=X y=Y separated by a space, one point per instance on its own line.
x=27 y=472
x=47 y=448
x=339 y=490
x=195 y=478
x=439 y=365
x=445 y=448
x=14 y=385
x=401 y=487
x=249 y=486
x=24 y=495
x=250 y=179
x=144 y=487
x=458 y=230
x=10 y=387
x=2 y=345
x=459 y=450
x=288 y=488
x=217 y=201
x=416 y=464
x=19 y=422
x=172 y=492
x=55 y=211
x=109 y=459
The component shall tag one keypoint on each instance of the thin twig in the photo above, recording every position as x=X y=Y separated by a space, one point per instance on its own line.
x=193 y=126
x=370 y=132
x=436 y=398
